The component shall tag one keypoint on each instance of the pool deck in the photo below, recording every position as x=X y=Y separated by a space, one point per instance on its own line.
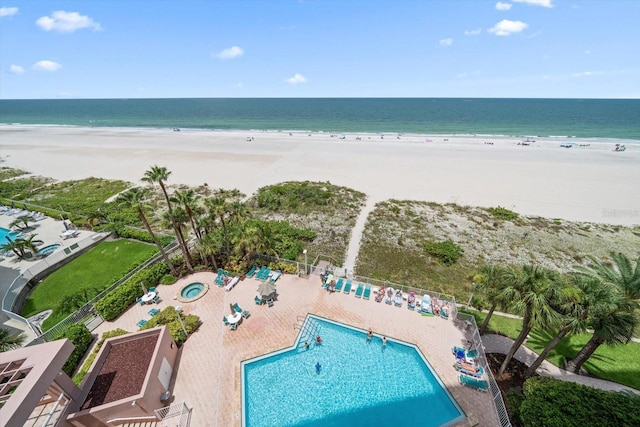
x=208 y=375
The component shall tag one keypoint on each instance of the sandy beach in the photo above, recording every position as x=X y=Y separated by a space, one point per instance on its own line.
x=588 y=182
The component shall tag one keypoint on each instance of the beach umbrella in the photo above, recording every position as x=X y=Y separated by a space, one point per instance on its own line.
x=266 y=289
x=144 y=290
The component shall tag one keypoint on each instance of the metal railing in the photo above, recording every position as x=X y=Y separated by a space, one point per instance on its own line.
x=476 y=342
x=177 y=410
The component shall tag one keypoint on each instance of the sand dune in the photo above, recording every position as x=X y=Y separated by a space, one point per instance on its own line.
x=585 y=183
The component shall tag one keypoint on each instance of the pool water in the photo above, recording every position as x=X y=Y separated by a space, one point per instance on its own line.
x=5 y=233
x=192 y=290
x=47 y=250
x=359 y=384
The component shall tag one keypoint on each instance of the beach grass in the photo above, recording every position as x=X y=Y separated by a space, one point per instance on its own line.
x=85 y=277
x=7 y=173
x=619 y=364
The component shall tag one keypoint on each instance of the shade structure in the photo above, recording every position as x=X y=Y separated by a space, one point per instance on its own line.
x=266 y=289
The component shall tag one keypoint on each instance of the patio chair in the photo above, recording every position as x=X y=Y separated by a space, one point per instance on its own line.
x=469 y=369
x=252 y=271
x=245 y=314
x=234 y=326
x=141 y=323
x=225 y=320
x=478 y=384
x=411 y=301
x=270 y=302
x=157 y=299
x=359 y=290
x=153 y=289
x=258 y=300
x=275 y=276
x=425 y=306
x=153 y=312
x=397 y=300
x=237 y=308
x=139 y=301
x=367 y=291
x=347 y=286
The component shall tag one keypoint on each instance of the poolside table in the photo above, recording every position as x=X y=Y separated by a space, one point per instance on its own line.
x=234 y=318
x=148 y=297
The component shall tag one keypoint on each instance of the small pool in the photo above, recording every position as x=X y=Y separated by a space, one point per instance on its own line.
x=192 y=291
x=47 y=250
x=359 y=384
x=7 y=234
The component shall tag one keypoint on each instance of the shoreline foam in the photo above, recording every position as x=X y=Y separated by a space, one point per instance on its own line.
x=585 y=183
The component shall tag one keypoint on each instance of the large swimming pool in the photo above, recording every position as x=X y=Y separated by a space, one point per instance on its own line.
x=359 y=384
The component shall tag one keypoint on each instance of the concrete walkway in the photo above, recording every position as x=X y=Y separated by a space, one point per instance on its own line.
x=499 y=344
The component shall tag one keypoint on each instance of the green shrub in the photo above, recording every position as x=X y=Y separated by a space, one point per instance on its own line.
x=169 y=317
x=553 y=403
x=446 y=252
x=126 y=232
x=121 y=298
x=81 y=338
x=294 y=196
x=79 y=376
x=168 y=279
x=503 y=213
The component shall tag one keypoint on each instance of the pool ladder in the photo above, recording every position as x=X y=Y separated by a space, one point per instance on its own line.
x=309 y=330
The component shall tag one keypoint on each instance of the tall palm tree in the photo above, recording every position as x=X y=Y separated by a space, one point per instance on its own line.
x=490 y=282
x=135 y=198
x=31 y=243
x=159 y=175
x=22 y=222
x=531 y=290
x=581 y=295
x=219 y=209
x=180 y=219
x=9 y=341
x=616 y=322
x=188 y=199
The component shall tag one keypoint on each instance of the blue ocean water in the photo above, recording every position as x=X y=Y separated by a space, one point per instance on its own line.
x=588 y=118
x=360 y=383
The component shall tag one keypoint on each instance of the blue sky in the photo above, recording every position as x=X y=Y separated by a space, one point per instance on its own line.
x=307 y=48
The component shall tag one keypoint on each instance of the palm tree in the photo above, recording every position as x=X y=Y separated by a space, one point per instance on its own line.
x=22 y=222
x=581 y=295
x=613 y=323
x=531 y=290
x=159 y=175
x=189 y=199
x=135 y=198
x=31 y=244
x=180 y=219
x=10 y=342
x=23 y=248
x=490 y=282
x=219 y=209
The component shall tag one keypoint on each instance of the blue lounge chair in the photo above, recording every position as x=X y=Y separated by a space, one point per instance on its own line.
x=411 y=301
x=367 y=291
x=359 y=290
x=389 y=299
x=152 y=289
x=245 y=314
x=141 y=323
x=397 y=300
x=252 y=271
x=260 y=272
x=347 y=286
x=237 y=308
x=339 y=284
x=153 y=312
x=469 y=369
x=275 y=276
x=156 y=299
x=139 y=301
x=478 y=384
x=234 y=326
x=463 y=353
x=258 y=300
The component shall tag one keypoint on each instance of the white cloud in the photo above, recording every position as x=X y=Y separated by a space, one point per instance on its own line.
x=503 y=6
x=67 y=22
x=296 y=79
x=8 y=11
x=16 y=69
x=543 y=3
x=446 y=42
x=587 y=74
x=46 y=65
x=507 y=27
x=473 y=32
x=232 y=52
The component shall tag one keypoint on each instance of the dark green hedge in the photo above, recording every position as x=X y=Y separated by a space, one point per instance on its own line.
x=552 y=403
x=132 y=233
x=81 y=338
x=121 y=298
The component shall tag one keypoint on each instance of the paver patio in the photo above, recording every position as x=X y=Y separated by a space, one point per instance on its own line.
x=207 y=377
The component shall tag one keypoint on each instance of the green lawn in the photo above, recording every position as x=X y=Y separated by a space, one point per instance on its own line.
x=89 y=274
x=620 y=364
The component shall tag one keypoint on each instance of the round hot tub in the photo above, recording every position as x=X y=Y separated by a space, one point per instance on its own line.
x=192 y=291
x=48 y=250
